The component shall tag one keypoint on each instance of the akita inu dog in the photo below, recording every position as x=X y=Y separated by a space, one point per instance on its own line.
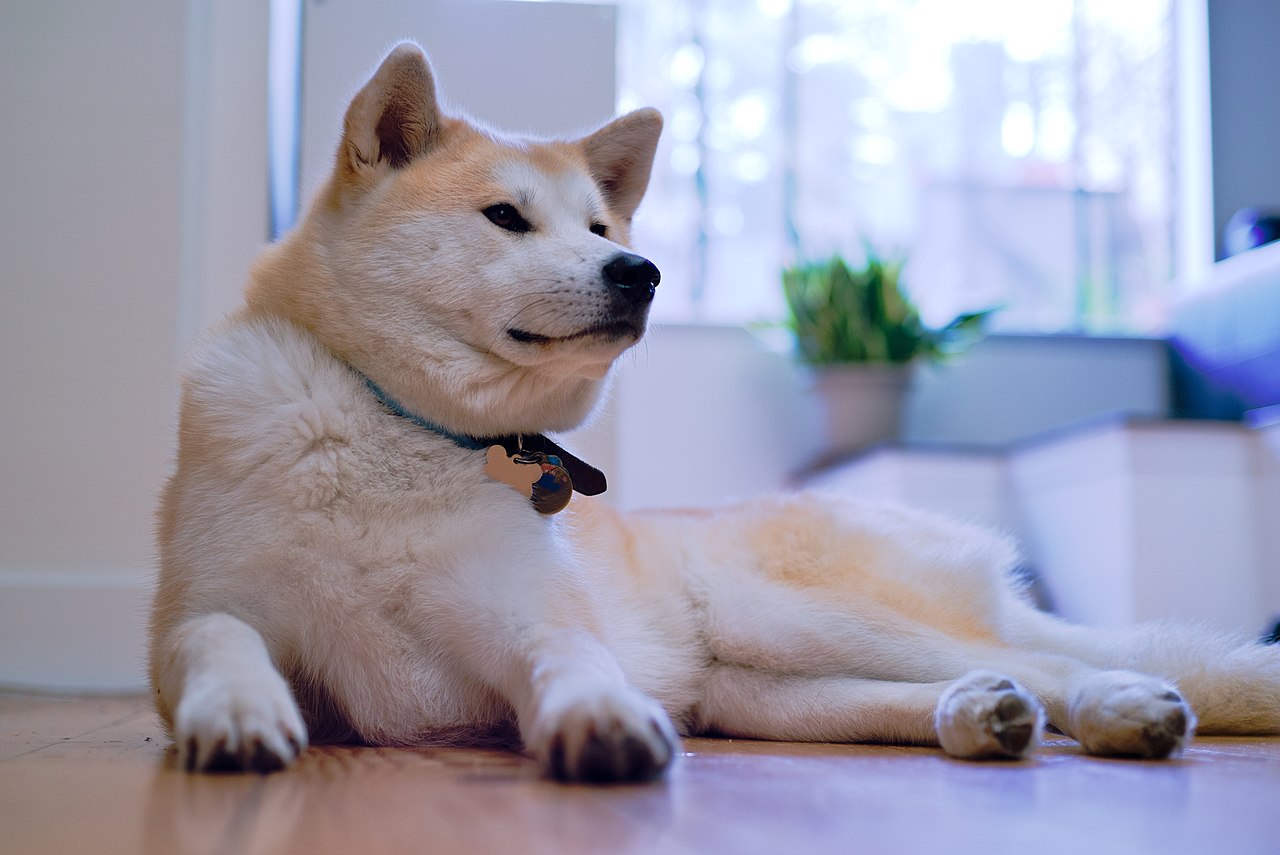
x=358 y=544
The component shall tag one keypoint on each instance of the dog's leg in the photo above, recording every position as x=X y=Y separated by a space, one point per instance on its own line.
x=535 y=625
x=229 y=707
x=980 y=716
x=1120 y=713
x=1233 y=684
x=581 y=719
x=1111 y=712
x=984 y=713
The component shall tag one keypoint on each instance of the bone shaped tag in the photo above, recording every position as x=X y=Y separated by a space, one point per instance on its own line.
x=540 y=478
x=516 y=473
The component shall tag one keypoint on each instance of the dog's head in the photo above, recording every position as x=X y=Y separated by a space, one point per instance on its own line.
x=483 y=281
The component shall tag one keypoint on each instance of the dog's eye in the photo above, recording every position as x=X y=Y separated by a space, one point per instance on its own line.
x=599 y=229
x=507 y=217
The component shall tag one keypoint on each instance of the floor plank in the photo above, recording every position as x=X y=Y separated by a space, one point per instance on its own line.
x=95 y=775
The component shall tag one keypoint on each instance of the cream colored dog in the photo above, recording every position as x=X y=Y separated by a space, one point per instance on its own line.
x=347 y=553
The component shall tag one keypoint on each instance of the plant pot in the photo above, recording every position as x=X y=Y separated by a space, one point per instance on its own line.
x=860 y=403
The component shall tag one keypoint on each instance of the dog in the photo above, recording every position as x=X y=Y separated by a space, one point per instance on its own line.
x=366 y=539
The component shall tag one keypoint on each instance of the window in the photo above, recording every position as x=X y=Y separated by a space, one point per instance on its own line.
x=1017 y=153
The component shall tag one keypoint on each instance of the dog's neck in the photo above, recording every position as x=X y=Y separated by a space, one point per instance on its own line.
x=481 y=395
x=461 y=440
x=587 y=480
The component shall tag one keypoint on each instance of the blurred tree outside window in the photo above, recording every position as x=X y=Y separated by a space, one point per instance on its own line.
x=1017 y=153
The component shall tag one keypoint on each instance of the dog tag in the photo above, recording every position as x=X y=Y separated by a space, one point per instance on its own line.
x=551 y=492
x=520 y=475
x=540 y=478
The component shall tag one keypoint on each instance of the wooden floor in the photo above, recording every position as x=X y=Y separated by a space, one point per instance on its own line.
x=95 y=776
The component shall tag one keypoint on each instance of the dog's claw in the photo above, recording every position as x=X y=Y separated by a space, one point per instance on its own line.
x=614 y=740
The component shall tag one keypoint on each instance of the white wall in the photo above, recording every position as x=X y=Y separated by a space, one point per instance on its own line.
x=700 y=416
x=90 y=255
x=540 y=68
x=90 y=240
x=133 y=176
x=224 y=190
x=134 y=199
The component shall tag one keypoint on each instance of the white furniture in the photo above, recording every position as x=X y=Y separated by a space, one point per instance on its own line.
x=1124 y=520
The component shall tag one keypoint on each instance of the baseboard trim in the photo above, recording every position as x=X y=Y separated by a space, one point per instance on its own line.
x=82 y=632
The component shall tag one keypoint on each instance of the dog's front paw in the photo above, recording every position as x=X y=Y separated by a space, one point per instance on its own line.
x=985 y=716
x=242 y=724
x=1118 y=713
x=609 y=737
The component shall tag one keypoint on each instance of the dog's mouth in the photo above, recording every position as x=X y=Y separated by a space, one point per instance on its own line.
x=608 y=333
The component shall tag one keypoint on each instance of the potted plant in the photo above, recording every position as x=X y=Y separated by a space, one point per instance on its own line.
x=861 y=334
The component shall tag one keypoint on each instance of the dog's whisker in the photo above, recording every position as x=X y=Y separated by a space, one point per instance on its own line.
x=540 y=310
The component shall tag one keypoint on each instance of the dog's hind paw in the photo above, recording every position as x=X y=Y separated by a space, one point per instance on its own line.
x=240 y=725
x=985 y=716
x=1122 y=714
x=611 y=738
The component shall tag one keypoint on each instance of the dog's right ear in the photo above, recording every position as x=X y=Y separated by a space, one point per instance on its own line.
x=392 y=120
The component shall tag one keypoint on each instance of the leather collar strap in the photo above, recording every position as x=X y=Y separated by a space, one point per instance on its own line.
x=587 y=480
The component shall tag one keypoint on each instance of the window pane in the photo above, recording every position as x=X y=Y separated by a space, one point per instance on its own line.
x=1018 y=153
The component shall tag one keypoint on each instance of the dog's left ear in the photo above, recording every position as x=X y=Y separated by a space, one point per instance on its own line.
x=620 y=157
x=393 y=119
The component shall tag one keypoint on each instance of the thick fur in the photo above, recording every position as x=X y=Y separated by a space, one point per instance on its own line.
x=330 y=570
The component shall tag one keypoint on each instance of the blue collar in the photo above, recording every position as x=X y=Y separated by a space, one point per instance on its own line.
x=461 y=440
x=587 y=480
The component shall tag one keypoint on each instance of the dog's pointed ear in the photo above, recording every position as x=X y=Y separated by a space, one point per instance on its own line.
x=393 y=119
x=620 y=157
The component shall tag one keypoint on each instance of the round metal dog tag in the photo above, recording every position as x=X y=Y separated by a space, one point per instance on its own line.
x=540 y=478
x=552 y=492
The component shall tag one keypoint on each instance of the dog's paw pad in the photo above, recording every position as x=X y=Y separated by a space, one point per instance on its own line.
x=613 y=739
x=1121 y=714
x=1013 y=723
x=237 y=727
x=985 y=716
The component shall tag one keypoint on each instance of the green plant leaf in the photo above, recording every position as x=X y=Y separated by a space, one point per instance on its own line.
x=839 y=313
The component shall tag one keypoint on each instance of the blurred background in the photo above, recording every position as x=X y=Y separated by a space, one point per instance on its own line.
x=1104 y=173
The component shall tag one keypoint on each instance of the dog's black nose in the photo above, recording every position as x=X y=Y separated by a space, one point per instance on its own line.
x=635 y=277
